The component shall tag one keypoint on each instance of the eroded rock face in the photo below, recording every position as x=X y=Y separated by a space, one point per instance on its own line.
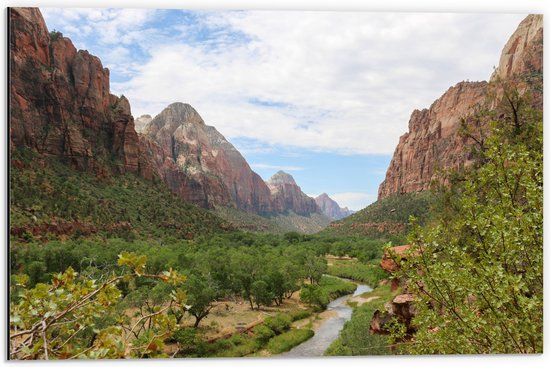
x=200 y=165
x=141 y=122
x=287 y=195
x=331 y=208
x=400 y=308
x=60 y=100
x=523 y=52
x=433 y=141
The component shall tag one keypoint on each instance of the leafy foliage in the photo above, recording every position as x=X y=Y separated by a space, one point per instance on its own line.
x=370 y=273
x=478 y=273
x=329 y=288
x=285 y=342
x=124 y=206
x=50 y=320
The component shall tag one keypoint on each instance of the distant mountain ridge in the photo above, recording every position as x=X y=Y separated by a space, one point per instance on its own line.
x=61 y=106
x=331 y=208
x=199 y=164
x=287 y=195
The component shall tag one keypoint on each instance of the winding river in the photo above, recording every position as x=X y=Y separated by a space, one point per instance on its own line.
x=329 y=330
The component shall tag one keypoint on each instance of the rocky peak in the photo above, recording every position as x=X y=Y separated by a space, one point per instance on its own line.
x=330 y=208
x=287 y=195
x=60 y=100
x=172 y=117
x=433 y=141
x=281 y=178
x=324 y=196
x=523 y=51
x=200 y=165
x=141 y=122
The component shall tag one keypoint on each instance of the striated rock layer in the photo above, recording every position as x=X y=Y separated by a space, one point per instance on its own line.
x=61 y=105
x=433 y=141
x=60 y=101
x=331 y=208
x=287 y=195
x=200 y=165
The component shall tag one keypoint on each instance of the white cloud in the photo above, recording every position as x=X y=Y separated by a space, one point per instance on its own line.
x=353 y=200
x=330 y=81
x=276 y=167
x=107 y=33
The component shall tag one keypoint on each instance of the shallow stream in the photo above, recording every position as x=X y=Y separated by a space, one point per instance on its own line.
x=329 y=330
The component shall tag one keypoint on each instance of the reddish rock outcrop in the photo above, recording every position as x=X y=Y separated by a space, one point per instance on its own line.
x=331 y=208
x=287 y=195
x=522 y=54
x=433 y=141
x=60 y=102
x=387 y=262
x=401 y=308
x=199 y=164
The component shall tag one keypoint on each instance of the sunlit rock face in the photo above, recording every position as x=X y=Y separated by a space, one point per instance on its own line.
x=433 y=142
x=287 y=195
x=199 y=164
x=60 y=101
x=331 y=208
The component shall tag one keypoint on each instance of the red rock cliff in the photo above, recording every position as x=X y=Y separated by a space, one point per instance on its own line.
x=200 y=165
x=287 y=195
x=60 y=102
x=433 y=140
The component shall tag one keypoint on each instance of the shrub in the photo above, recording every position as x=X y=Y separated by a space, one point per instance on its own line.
x=279 y=323
x=288 y=340
x=299 y=314
x=263 y=333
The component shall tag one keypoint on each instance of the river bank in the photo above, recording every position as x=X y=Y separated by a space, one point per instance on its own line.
x=327 y=326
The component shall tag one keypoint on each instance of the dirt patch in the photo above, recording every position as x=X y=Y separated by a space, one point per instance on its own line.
x=232 y=316
x=315 y=321
x=359 y=300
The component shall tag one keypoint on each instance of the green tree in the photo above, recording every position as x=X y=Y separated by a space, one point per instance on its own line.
x=314 y=268
x=477 y=276
x=201 y=294
x=261 y=294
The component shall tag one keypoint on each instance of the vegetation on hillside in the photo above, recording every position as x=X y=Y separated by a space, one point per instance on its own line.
x=478 y=277
x=49 y=199
x=369 y=273
x=392 y=213
x=280 y=223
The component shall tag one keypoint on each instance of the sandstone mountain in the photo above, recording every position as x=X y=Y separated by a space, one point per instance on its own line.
x=141 y=122
x=61 y=105
x=287 y=195
x=331 y=208
x=433 y=141
x=60 y=101
x=200 y=165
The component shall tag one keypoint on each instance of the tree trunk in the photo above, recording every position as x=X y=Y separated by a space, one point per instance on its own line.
x=198 y=320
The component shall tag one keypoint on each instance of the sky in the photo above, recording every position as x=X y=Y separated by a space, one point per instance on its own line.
x=321 y=95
